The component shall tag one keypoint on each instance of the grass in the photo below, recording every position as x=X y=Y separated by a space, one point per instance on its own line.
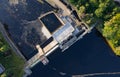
x=13 y=64
x=117 y=52
x=111 y=46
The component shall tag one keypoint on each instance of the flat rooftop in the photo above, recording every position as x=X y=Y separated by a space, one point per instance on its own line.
x=51 y=22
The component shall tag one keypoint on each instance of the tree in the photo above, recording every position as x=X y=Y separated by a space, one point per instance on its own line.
x=73 y=1
x=99 y=13
x=4 y=48
x=112 y=30
x=115 y=10
x=82 y=9
x=94 y=3
x=101 y=10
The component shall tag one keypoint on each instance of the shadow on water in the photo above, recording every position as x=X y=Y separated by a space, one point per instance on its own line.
x=87 y=56
x=19 y=17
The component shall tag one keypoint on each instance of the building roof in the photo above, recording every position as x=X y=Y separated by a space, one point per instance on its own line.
x=64 y=32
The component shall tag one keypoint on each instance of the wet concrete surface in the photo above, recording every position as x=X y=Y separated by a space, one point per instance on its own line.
x=22 y=25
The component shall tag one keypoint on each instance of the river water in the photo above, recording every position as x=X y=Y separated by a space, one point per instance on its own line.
x=89 y=55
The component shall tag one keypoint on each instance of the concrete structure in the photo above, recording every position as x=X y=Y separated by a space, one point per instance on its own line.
x=10 y=42
x=13 y=2
x=2 y=69
x=117 y=1
x=65 y=10
x=61 y=32
x=58 y=30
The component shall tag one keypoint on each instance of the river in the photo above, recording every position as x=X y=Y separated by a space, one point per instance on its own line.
x=89 y=55
x=86 y=57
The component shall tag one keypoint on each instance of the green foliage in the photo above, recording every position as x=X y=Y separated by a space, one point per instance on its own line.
x=3 y=45
x=99 y=12
x=108 y=15
x=4 y=48
x=82 y=9
x=73 y=1
x=13 y=64
x=116 y=10
x=118 y=50
x=102 y=9
x=112 y=30
x=3 y=75
x=94 y=2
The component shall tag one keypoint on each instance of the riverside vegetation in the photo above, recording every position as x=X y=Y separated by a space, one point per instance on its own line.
x=107 y=13
x=13 y=64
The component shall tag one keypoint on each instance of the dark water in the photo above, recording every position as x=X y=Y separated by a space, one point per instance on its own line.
x=22 y=25
x=89 y=55
x=51 y=22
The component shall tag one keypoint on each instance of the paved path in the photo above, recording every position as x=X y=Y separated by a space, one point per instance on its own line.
x=12 y=45
x=66 y=11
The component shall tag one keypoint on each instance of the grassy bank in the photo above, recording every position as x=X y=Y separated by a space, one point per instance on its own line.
x=111 y=45
x=13 y=64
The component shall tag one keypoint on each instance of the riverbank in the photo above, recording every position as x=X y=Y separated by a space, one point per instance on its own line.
x=110 y=45
x=89 y=55
x=108 y=20
x=107 y=41
x=13 y=64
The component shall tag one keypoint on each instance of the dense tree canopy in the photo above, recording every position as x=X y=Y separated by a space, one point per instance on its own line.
x=107 y=13
x=112 y=30
x=102 y=9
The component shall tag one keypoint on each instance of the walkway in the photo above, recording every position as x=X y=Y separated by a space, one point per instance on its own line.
x=66 y=11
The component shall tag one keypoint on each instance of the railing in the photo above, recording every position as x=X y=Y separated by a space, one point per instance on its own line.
x=33 y=60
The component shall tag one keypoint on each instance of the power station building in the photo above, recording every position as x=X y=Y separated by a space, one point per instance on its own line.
x=58 y=32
